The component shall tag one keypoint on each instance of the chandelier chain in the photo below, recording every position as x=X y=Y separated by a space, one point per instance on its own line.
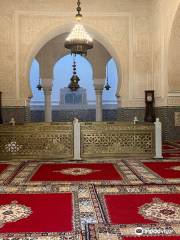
x=78 y=8
x=78 y=15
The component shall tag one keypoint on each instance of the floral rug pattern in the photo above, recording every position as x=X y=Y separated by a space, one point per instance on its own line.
x=153 y=176
x=30 y=169
x=158 y=216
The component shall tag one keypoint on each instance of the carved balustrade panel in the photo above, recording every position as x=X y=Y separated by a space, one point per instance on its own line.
x=36 y=140
x=116 y=139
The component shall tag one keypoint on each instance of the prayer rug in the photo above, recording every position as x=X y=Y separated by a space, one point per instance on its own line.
x=142 y=208
x=36 y=213
x=8 y=171
x=152 y=238
x=41 y=212
x=149 y=171
x=127 y=208
x=3 y=166
x=173 y=143
x=171 y=150
x=86 y=203
x=168 y=147
x=114 y=232
x=37 y=173
x=171 y=154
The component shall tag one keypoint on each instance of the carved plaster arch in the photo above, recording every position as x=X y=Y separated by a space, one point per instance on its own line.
x=67 y=28
x=68 y=54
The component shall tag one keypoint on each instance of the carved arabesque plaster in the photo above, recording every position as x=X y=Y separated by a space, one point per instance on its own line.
x=129 y=28
x=39 y=21
x=7 y=58
x=142 y=63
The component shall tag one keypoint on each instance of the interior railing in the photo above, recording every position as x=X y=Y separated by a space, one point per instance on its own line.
x=57 y=140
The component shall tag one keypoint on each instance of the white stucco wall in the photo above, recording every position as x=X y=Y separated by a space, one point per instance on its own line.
x=164 y=12
x=128 y=29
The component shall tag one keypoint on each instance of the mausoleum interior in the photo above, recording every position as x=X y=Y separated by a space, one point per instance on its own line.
x=90 y=119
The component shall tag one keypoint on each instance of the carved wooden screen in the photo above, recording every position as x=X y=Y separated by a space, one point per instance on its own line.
x=36 y=140
x=116 y=139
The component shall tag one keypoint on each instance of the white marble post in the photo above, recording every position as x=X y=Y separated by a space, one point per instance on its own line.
x=77 y=140
x=99 y=91
x=158 y=139
x=47 y=88
x=27 y=110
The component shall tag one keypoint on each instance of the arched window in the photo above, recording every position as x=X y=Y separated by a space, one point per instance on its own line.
x=109 y=96
x=63 y=72
x=38 y=96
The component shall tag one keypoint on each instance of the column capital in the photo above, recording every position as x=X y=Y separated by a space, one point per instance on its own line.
x=99 y=88
x=98 y=91
x=99 y=81
x=47 y=90
x=47 y=84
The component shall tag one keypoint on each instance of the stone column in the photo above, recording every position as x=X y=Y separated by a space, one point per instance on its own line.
x=47 y=88
x=98 y=91
x=77 y=140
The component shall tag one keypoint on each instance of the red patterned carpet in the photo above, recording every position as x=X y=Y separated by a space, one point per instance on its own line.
x=76 y=172
x=171 y=150
x=171 y=155
x=165 y=169
x=3 y=166
x=36 y=213
x=152 y=209
x=168 y=147
x=112 y=172
x=90 y=201
x=114 y=232
x=8 y=171
x=151 y=238
x=156 y=172
x=141 y=208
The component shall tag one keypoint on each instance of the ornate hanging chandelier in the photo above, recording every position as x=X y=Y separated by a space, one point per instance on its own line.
x=107 y=86
x=78 y=41
x=39 y=86
x=74 y=79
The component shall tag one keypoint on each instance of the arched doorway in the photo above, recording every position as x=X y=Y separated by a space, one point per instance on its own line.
x=98 y=56
x=61 y=31
x=109 y=96
x=64 y=106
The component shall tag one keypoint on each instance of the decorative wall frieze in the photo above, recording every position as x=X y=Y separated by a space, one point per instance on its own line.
x=173 y=101
x=177 y=119
x=32 y=25
x=7 y=56
x=13 y=102
x=129 y=32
